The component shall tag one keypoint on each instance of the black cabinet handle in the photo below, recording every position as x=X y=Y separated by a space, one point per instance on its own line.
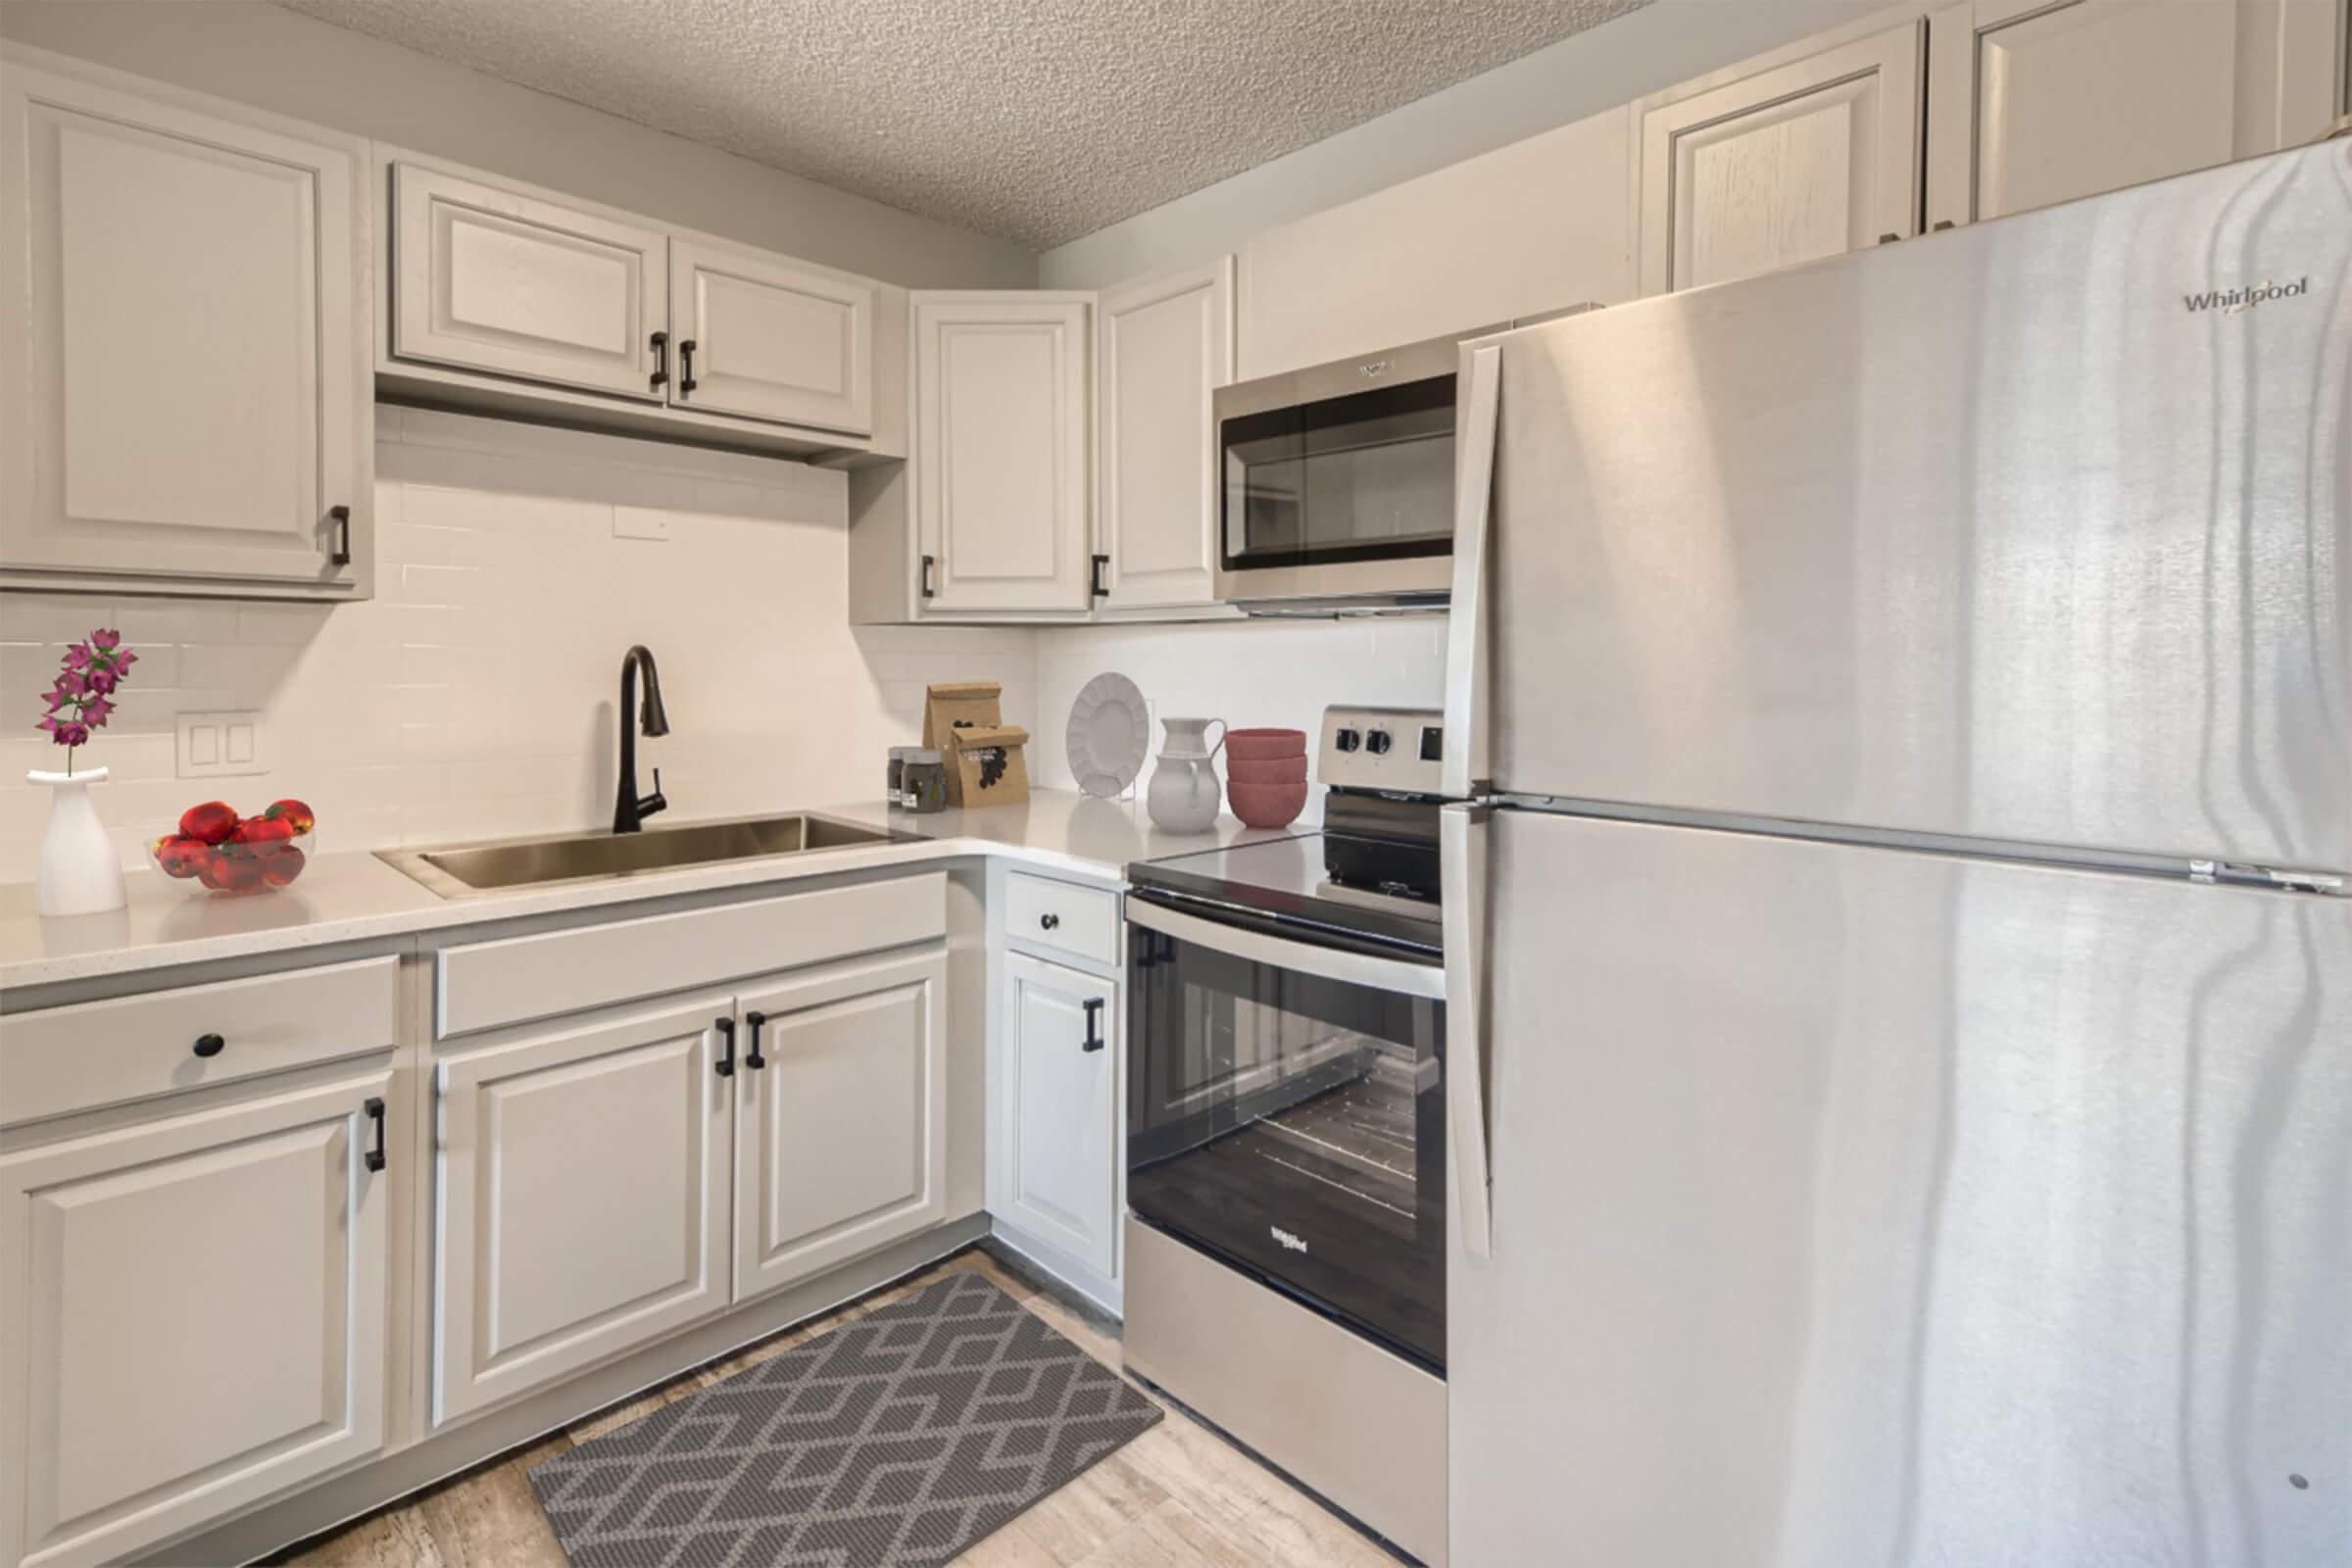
x=375 y=1109
x=751 y=1058
x=1093 y=1040
x=660 y=376
x=210 y=1045
x=1943 y=224
x=340 y=552
x=926 y=582
x=1050 y=922
x=726 y=1057
x=1095 y=582
x=686 y=380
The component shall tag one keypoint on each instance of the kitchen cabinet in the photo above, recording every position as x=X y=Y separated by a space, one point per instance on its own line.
x=1809 y=158
x=770 y=339
x=184 y=327
x=1162 y=345
x=841 y=1132
x=196 y=1311
x=2031 y=103
x=499 y=281
x=1000 y=469
x=1058 y=1164
x=584 y=1196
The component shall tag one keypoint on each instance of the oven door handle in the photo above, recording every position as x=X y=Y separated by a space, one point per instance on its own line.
x=1463 y=850
x=1464 y=768
x=1305 y=957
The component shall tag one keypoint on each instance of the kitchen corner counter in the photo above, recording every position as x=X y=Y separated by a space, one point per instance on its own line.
x=353 y=896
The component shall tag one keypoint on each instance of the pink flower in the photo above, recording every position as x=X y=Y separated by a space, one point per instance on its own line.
x=106 y=639
x=71 y=682
x=69 y=735
x=102 y=681
x=94 y=712
x=77 y=657
x=126 y=658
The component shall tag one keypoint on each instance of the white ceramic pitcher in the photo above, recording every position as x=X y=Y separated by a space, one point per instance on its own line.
x=1185 y=793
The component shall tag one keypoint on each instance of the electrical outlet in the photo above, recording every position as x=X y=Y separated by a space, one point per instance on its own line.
x=219 y=745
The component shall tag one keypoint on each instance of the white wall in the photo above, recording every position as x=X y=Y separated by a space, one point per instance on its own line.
x=1664 y=43
x=258 y=54
x=1252 y=674
x=474 y=696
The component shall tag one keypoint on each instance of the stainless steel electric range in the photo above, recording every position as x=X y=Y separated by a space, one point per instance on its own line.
x=1285 y=1172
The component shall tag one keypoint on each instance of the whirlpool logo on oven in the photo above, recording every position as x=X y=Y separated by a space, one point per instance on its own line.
x=1290 y=1243
x=2235 y=301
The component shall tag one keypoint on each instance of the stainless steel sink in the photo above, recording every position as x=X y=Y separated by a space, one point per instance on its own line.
x=469 y=868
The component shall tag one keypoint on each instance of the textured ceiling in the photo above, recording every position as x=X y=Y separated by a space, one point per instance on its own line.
x=1035 y=120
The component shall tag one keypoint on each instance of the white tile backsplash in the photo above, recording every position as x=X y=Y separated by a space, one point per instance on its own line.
x=474 y=696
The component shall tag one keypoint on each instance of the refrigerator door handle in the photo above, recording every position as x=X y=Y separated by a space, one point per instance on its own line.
x=1462 y=848
x=1464 y=768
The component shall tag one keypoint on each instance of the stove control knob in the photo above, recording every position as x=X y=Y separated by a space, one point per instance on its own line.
x=1377 y=743
x=1347 y=739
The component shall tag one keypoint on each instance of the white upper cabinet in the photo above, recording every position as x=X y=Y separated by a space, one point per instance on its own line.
x=2033 y=103
x=183 y=340
x=1000 y=469
x=1806 y=159
x=195 y=1312
x=841 y=1141
x=770 y=339
x=1163 y=346
x=493 y=280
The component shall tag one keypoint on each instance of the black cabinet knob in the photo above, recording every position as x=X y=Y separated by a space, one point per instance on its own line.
x=1050 y=922
x=210 y=1045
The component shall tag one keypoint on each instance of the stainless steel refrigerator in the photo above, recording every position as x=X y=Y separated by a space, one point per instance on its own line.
x=1899 y=975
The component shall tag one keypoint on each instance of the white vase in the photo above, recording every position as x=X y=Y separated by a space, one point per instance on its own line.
x=79 y=872
x=1185 y=793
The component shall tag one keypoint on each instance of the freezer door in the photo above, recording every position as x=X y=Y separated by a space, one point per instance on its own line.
x=2015 y=532
x=1863 y=1207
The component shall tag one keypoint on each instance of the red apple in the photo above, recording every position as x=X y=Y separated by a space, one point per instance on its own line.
x=262 y=830
x=283 y=865
x=208 y=823
x=293 y=812
x=180 y=856
x=211 y=869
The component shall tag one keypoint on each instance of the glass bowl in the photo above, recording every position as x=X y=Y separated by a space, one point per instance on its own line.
x=235 y=867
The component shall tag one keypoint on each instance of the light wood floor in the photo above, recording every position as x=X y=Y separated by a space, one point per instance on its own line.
x=1178 y=1496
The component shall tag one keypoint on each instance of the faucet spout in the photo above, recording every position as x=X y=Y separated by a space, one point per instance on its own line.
x=629 y=809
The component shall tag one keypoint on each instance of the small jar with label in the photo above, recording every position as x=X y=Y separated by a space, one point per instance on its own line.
x=923 y=781
x=895 y=790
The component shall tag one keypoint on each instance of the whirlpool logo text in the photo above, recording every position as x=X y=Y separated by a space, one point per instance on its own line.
x=2230 y=301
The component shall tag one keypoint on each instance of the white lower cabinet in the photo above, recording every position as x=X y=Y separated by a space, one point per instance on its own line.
x=196 y=1314
x=841 y=1137
x=584 y=1197
x=1055 y=1167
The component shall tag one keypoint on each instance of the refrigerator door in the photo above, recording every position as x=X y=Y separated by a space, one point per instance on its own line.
x=1951 y=1211
x=2014 y=532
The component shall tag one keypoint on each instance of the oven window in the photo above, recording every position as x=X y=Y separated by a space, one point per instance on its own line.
x=1294 y=1126
x=1368 y=476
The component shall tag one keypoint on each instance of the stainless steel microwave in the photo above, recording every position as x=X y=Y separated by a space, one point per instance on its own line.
x=1337 y=482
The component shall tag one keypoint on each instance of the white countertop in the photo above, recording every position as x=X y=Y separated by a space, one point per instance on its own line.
x=353 y=896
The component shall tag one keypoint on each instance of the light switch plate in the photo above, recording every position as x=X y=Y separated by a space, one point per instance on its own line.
x=639 y=522
x=219 y=745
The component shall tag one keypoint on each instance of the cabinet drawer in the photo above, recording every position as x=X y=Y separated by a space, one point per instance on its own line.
x=1063 y=917
x=487 y=985
x=64 y=1060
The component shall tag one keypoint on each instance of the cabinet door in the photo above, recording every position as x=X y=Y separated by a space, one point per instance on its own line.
x=1057 y=1165
x=772 y=341
x=999 y=451
x=195 y=1317
x=2033 y=103
x=584 y=1202
x=182 y=345
x=841 y=1141
x=1802 y=161
x=488 y=280
x=1163 y=345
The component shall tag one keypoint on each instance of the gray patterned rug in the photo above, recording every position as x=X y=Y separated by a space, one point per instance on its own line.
x=898 y=1438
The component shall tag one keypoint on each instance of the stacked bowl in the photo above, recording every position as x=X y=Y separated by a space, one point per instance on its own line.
x=1265 y=775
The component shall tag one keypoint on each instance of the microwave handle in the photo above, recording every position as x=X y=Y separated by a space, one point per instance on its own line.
x=1463 y=831
x=1464 y=771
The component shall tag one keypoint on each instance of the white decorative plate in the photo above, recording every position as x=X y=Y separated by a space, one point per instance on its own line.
x=1109 y=732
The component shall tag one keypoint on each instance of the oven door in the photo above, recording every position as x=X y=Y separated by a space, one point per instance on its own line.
x=1285 y=1112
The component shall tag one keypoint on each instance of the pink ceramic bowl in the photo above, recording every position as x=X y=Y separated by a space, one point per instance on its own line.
x=1267 y=805
x=1264 y=745
x=1267 y=771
